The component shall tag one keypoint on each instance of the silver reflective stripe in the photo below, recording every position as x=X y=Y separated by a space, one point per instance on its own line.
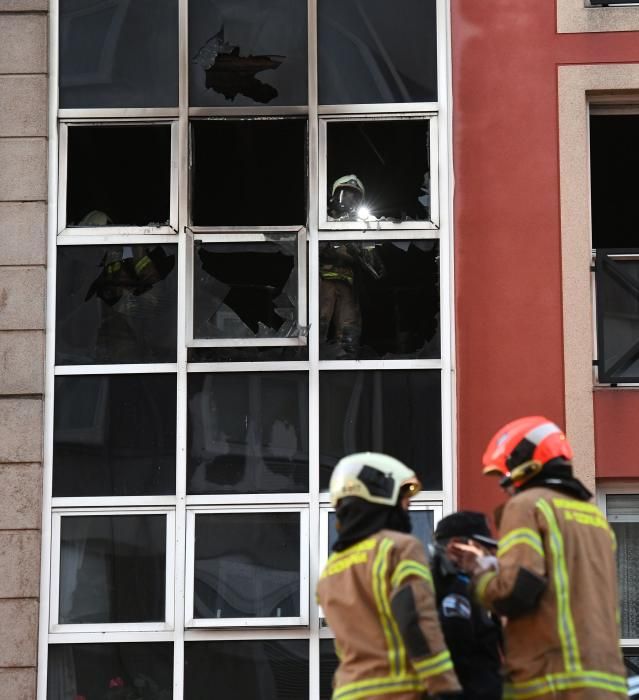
x=536 y=435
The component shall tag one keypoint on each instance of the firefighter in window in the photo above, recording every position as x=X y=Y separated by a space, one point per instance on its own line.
x=554 y=577
x=376 y=590
x=340 y=319
x=346 y=201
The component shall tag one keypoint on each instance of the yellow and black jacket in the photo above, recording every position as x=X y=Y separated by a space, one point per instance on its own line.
x=557 y=586
x=378 y=598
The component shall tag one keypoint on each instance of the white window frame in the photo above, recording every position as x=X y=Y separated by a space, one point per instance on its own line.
x=386 y=226
x=102 y=231
x=302 y=317
x=180 y=115
x=192 y=622
x=167 y=625
x=619 y=488
x=605 y=105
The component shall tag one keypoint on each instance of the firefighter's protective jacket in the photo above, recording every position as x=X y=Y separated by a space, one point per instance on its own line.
x=377 y=596
x=557 y=586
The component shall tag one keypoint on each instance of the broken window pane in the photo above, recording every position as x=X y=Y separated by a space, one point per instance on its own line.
x=271 y=669
x=614 y=142
x=113 y=671
x=248 y=433
x=119 y=175
x=117 y=53
x=379 y=299
x=249 y=172
x=247 y=52
x=98 y=421
x=393 y=411
x=116 y=304
x=378 y=170
x=247 y=565
x=246 y=290
x=374 y=51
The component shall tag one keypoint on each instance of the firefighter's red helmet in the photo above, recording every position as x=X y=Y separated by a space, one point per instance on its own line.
x=522 y=447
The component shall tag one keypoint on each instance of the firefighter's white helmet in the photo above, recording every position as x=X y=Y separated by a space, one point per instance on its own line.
x=374 y=477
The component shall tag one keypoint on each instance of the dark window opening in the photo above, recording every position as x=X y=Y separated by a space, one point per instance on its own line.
x=119 y=175
x=246 y=290
x=275 y=669
x=118 y=54
x=285 y=353
x=247 y=565
x=614 y=142
x=247 y=52
x=249 y=172
x=377 y=52
x=328 y=665
x=379 y=300
x=395 y=411
x=248 y=433
x=112 y=569
x=116 y=304
x=114 y=435
x=113 y=671
x=378 y=170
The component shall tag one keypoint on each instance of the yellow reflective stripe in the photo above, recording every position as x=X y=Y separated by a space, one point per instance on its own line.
x=522 y=535
x=333 y=564
x=360 y=690
x=565 y=624
x=142 y=263
x=482 y=584
x=434 y=665
x=556 y=682
x=573 y=504
x=407 y=568
x=396 y=652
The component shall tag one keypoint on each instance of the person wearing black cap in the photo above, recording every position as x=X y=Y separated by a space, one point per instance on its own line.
x=472 y=634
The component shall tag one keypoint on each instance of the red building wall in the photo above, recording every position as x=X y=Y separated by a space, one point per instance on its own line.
x=509 y=342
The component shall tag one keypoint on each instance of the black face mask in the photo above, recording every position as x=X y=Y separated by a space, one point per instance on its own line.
x=359 y=519
x=346 y=200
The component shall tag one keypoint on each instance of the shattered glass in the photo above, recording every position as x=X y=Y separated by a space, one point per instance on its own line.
x=247 y=52
x=246 y=290
x=387 y=161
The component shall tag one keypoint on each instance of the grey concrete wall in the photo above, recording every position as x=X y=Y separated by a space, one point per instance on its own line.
x=23 y=191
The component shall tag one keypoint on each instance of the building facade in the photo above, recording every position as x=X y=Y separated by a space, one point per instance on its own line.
x=242 y=239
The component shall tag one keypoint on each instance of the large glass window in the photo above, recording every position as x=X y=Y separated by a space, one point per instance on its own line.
x=252 y=279
x=118 y=53
x=372 y=51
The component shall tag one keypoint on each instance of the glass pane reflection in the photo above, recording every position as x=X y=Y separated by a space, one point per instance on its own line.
x=378 y=171
x=97 y=445
x=116 y=53
x=246 y=290
x=421 y=520
x=247 y=670
x=116 y=304
x=247 y=52
x=112 y=569
x=394 y=411
x=373 y=51
x=247 y=565
x=114 y=671
x=379 y=299
x=248 y=433
x=328 y=666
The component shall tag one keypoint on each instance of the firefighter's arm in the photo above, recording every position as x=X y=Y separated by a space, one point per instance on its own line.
x=515 y=587
x=415 y=612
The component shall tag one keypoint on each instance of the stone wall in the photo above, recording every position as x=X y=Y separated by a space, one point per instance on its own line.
x=23 y=191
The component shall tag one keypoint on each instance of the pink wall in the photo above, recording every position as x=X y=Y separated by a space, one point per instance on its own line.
x=505 y=55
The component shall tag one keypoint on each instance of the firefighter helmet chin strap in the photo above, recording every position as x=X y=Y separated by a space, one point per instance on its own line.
x=522 y=473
